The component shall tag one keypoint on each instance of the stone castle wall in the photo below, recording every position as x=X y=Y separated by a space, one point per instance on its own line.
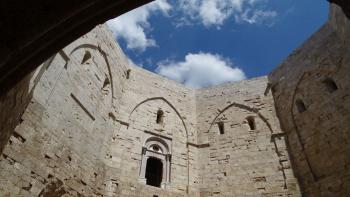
x=87 y=121
x=61 y=144
x=243 y=159
x=91 y=115
x=311 y=93
x=145 y=93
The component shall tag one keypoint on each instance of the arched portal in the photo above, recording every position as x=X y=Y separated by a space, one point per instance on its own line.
x=186 y=134
x=154 y=172
x=155 y=162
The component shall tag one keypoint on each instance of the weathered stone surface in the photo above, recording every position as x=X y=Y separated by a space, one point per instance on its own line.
x=245 y=160
x=86 y=122
x=32 y=31
x=344 y=4
x=317 y=75
x=91 y=116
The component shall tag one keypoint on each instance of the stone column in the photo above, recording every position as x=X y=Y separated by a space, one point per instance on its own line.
x=168 y=162
x=143 y=166
x=164 y=174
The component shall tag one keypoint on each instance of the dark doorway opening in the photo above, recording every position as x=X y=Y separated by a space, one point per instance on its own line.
x=154 y=172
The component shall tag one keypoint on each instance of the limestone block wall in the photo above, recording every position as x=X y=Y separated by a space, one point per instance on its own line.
x=87 y=121
x=12 y=106
x=146 y=93
x=244 y=151
x=91 y=116
x=61 y=145
x=14 y=103
x=311 y=93
x=340 y=23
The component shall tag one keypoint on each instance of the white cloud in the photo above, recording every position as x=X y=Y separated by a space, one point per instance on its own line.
x=201 y=70
x=216 y=12
x=213 y=12
x=258 y=16
x=132 y=26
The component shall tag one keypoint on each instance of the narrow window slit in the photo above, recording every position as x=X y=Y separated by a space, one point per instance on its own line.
x=106 y=85
x=221 y=127
x=160 y=117
x=251 y=123
x=300 y=106
x=86 y=57
x=128 y=74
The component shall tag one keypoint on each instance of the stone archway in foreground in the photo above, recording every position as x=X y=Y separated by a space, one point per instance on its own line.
x=32 y=31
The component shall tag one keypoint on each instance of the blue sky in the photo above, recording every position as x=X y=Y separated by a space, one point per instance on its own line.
x=202 y=43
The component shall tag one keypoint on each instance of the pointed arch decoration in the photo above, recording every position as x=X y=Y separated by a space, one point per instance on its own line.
x=183 y=123
x=263 y=118
x=245 y=107
x=104 y=55
x=302 y=77
x=167 y=102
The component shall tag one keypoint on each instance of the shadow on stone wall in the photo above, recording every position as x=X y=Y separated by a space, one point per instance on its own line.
x=345 y=4
x=317 y=133
x=12 y=106
x=14 y=103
